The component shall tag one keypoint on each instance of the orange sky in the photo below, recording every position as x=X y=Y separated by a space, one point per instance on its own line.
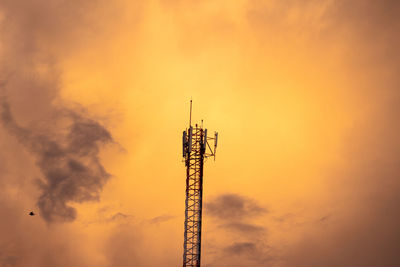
x=303 y=95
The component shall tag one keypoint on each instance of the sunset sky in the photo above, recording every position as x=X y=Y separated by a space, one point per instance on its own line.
x=305 y=95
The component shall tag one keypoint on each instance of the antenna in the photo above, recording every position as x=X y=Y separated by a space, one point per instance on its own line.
x=215 y=144
x=184 y=143
x=205 y=139
x=190 y=117
x=190 y=138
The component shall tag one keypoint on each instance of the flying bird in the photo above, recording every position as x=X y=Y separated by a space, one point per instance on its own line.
x=31 y=213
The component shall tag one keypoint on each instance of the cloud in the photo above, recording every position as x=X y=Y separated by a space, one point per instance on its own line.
x=119 y=217
x=243 y=228
x=64 y=141
x=50 y=148
x=247 y=253
x=244 y=240
x=241 y=248
x=362 y=200
x=8 y=260
x=161 y=219
x=233 y=207
x=70 y=165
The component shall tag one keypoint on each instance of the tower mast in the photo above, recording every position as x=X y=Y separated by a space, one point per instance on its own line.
x=195 y=149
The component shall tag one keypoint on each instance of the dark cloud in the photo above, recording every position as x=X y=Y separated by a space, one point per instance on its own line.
x=244 y=228
x=324 y=219
x=245 y=240
x=49 y=156
x=241 y=248
x=161 y=219
x=233 y=207
x=8 y=261
x=71 y=169
x=119 y=217
x=65 y=142
x=247 y=253
x=50 y=148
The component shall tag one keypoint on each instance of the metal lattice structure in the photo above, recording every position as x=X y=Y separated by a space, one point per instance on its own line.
x=195 y=149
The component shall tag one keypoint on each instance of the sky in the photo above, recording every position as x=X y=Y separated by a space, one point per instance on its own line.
x=305 y=96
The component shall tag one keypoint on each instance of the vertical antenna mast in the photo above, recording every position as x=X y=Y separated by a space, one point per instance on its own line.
x=190 y=117
x=195 y=149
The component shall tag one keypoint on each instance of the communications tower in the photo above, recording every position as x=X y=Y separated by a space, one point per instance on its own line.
x=196 y=148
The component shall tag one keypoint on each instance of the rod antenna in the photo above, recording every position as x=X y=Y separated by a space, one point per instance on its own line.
x=190 y=118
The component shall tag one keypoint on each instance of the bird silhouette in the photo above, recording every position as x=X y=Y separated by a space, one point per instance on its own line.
x=31 y=213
